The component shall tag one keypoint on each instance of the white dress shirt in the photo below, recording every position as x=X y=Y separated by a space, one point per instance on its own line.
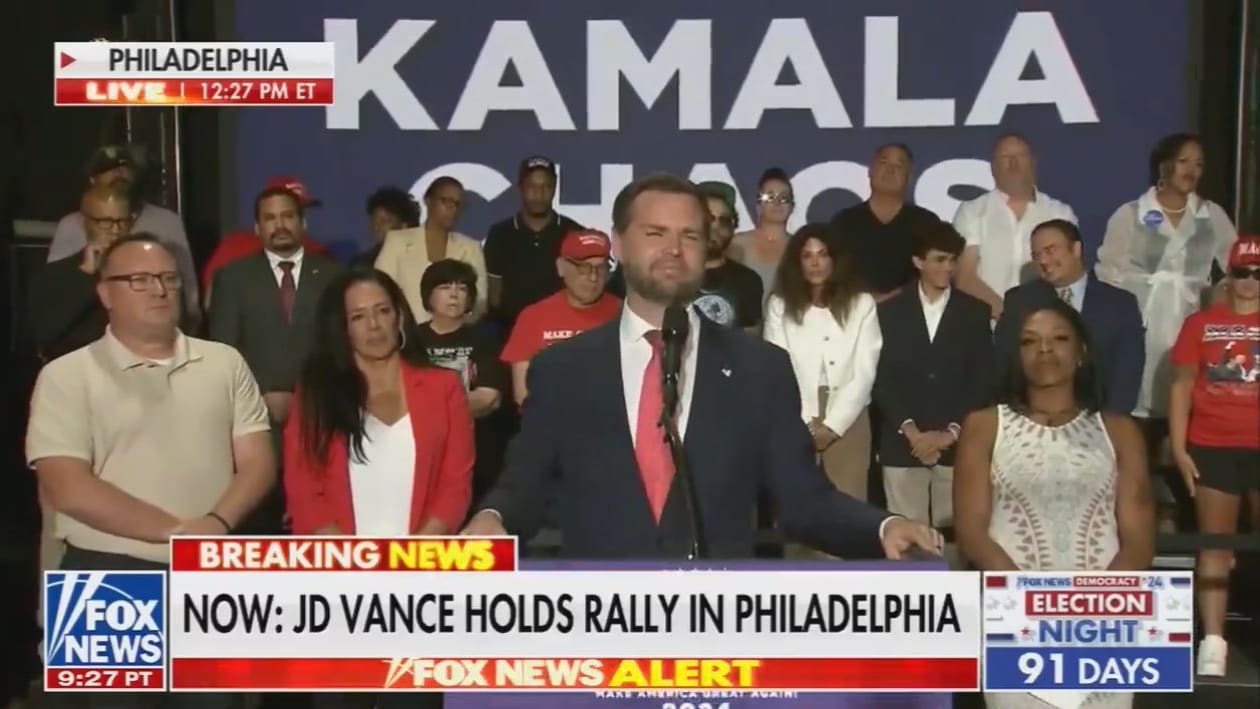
x=843 y=358
x=933 y=310
x=275 y=259
x=636 y=351
x=1005 y=243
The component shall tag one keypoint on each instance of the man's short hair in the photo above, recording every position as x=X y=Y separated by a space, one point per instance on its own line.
x=936 y=236
x=659 y=182
x=141 y=237
x=1012 y=135
x=278 y=191
x=1065 y=227
x=898 y=146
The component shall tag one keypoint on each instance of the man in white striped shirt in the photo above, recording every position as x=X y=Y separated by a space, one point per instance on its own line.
x=997 y=225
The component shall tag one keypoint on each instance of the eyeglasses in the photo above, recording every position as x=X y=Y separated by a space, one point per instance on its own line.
x=586 y=270
x=144 y=281
x=111 y=223
x=775 y=198
x=1251 y=272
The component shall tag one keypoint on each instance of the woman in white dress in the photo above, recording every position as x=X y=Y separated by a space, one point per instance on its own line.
x=1161 y=247
x=1047 y=482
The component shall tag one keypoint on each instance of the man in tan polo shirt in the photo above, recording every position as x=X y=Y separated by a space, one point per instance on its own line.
x=145 y=433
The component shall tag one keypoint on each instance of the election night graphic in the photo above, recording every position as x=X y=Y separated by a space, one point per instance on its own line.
x=1088 y=631
x=105 y=630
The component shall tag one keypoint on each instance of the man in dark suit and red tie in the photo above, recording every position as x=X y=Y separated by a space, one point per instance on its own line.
x=597 y=449
x=264 y=306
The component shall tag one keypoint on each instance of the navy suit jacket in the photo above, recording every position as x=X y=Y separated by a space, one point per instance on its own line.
x=934 y=382
x=1115 y=326
x=744 y=431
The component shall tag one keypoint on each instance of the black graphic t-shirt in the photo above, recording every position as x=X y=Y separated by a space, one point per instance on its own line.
x=731 y=295
x=466 y=352
x=476 y=359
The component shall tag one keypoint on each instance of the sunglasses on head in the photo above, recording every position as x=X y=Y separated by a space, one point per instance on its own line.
x=1252 y=272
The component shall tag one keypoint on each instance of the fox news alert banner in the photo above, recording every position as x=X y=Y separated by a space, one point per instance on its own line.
x=716 y=698
x=193 y=74
x=456 y=614
x=1088 y=632
x=105 y=630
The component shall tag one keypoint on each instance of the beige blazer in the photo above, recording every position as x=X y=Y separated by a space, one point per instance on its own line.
x=404 y=257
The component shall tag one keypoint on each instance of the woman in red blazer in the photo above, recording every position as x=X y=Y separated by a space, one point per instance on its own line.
x=380 y=443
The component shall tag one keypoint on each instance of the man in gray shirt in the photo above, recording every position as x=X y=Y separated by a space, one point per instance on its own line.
x=116 y=166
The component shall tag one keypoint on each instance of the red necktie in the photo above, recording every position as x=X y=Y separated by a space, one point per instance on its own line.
x=651 y=451
x=288 y=289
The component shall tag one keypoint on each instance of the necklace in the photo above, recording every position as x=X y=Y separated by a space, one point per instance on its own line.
x=1054 y=417
x=1169 y=210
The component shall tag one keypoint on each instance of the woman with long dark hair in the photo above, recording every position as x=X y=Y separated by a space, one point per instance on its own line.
x=820 y=313
x=382 y=443
x=1045 y=481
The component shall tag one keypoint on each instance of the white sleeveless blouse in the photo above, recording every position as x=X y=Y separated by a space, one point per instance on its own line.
x=381 y=484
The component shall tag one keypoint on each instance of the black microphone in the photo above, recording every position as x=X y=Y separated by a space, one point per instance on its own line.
x=674 y=329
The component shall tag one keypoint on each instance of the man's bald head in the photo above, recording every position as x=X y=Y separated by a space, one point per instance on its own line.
x=107 y=215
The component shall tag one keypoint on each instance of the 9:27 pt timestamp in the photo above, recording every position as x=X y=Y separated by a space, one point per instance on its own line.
x=86 y=679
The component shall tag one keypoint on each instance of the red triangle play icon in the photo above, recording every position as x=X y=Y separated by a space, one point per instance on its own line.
x=66 y=60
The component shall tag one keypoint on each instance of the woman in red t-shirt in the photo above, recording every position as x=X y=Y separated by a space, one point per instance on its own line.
x=1214 y=422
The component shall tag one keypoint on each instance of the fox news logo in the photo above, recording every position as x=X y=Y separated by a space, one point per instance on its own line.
x=104 y=619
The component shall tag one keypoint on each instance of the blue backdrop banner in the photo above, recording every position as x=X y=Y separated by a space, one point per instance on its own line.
x=716 y=89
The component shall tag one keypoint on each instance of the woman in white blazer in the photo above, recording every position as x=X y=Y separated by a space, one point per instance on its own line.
x=829 y=327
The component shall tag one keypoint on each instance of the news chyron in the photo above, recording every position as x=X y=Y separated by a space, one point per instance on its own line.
x=193 y=74
x=1088 y=632
x=104 y=631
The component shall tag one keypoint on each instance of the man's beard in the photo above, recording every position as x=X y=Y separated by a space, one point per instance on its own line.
x=717 y=248
x=642 y=283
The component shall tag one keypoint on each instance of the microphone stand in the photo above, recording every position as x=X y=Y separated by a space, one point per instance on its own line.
x=669 y=422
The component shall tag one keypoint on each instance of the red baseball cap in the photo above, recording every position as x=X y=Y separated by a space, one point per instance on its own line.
x=588 y=243
x=295 y=186
x=1245 y=252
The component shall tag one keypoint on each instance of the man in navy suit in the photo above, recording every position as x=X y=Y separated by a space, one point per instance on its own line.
x=1110 y=313
x=590 y=439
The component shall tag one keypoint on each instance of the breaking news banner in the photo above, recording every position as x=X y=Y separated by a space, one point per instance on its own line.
x=193 y=74
x=354 y=614
x=104 y=631
x=1088 y=631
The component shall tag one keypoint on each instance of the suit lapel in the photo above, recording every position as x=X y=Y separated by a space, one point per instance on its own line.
x=309 y=280
x=711 y=400
x=1089 y=307
x=948 y=317
x=916 y=319
x=618 y=443
x=708 y=393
